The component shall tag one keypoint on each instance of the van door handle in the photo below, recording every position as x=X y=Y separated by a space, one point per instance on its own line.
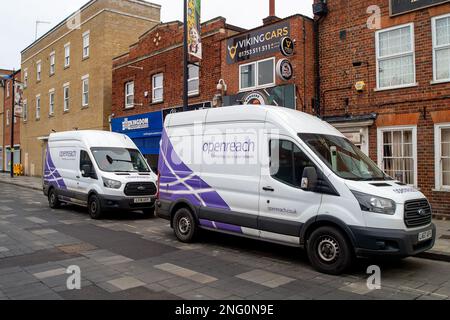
x=268 y=189
x=78 y=177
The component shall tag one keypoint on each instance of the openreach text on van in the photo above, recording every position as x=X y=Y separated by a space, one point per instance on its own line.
x=235 y=146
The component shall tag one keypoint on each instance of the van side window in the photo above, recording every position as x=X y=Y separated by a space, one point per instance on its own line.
x=85 y=159
x=287 y=162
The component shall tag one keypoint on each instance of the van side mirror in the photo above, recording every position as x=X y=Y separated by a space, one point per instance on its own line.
x=309 y=179
x=86 y=171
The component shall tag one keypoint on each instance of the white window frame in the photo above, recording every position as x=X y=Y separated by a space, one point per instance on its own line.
x=39 y=70
x=196 y=91
x=436 y=47
x=86 y=48
x=84 y=79
x=437 y=156
x=38 y=107
x=66 y=99
x=155 y=100
x=25 y=110
x=127 y=94
x=8 y=114
x=51 y=106
x=7 y=89
x=67 y=55
x=25 y=77
x=378 y=58
x=256 y=68
x=52 y=61
x=380 y=146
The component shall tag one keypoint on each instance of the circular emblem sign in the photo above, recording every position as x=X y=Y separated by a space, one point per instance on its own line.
x=285 y=70
x=255 y=98
x=287 y=46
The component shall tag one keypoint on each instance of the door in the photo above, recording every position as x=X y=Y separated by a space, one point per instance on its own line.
x=84 y=183
x=284 y=206
x=1 y=159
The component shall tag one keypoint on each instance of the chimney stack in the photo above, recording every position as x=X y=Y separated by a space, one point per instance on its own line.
x=272 y=17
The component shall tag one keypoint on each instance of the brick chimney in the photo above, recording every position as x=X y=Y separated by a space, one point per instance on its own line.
x=272 y=17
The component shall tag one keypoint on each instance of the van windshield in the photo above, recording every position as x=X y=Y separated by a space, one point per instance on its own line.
x=119 y=160
x=344 y=158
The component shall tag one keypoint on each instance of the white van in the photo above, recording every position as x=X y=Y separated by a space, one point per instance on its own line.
x=100 y=170
x=284 y=176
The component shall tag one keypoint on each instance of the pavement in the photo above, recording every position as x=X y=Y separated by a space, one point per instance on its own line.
x=128 y=256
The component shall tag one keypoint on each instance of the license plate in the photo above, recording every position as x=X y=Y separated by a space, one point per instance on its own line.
x=425 y=235
x=142 y=200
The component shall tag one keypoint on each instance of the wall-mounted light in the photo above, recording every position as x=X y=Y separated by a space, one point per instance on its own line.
x=360 y=86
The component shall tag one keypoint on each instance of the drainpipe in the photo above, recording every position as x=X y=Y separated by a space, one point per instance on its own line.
x=320 y=9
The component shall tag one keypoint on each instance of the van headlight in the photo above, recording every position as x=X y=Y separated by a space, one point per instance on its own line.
x=376 y=204
x=111 y=184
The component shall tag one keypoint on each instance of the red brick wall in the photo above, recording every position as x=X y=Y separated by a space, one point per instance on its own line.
x=338 y=73
x=302 y=60
x=167 y=57
x=8 y=108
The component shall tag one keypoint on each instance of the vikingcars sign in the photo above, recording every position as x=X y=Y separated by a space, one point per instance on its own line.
x=256 y=43
x=403 y=6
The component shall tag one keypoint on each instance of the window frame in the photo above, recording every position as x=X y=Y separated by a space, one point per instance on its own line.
x=52 y=62
x=438 y=157
x=196 y=91
x=38 y=70
x=380 y=147
x=256 y=74
x=38 y=107
x=8 y=91
x=67 y=56
x=51 y=106
x=86 y=49
x=25 y=110
x=126 y=94
x=8 y=115
x=66 y=99
x=25 y=77
x=85 y=103
x=437 y=48
x=398 y=55
x=157 y=100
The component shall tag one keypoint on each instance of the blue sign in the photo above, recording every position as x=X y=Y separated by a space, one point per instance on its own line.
x=144 y=129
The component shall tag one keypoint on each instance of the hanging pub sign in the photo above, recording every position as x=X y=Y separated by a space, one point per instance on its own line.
x=283 y=96
x=287 y=46
x=398 y=7
x=194 y=38
x=256 y=43
x=284 y=70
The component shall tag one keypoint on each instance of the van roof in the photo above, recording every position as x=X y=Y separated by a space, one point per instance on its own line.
x=94 y=138
x=297 y=121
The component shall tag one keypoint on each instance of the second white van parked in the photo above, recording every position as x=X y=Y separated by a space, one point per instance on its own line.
x=99 y=170
x=280 y=175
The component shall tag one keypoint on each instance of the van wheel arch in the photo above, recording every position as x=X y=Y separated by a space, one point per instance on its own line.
x=182 y=204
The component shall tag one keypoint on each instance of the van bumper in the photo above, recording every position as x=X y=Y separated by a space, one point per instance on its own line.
x=388 y=242
x=121 y=203
x=163 y=209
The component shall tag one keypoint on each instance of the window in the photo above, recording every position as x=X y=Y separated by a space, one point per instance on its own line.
x=51 y=102
x=7 y=118
x=25 y=78
x=193 y=80
x=85 y=87
x=257 y=74
x=395 y=57
x=7 y=89
x=441 y=48
x=52 y=63
x=38 y=70
x=67 y=55
x=38 y=107
x=86 y=41
x=157 y=87
x=129 y=94
x=66 y=97
x=397 y=153
x=442 y=156
x=85 y=160
x=287 y=162
x=25 y=111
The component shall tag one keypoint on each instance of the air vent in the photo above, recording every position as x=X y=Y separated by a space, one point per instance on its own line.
x=381 y=184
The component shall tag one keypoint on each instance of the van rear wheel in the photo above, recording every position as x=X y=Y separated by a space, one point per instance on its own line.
x=94 y=207
x=329 y=250
x=53 y=200
x=184 y=225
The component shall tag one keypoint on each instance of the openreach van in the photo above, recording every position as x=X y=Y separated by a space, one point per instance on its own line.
x=99 y=170
x=283 y=176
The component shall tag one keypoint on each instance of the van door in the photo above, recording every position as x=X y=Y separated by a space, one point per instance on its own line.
x=284 y=206
x=84 y=182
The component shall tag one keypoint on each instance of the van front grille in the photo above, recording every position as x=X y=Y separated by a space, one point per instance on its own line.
x=140 y=189
x=417 y=213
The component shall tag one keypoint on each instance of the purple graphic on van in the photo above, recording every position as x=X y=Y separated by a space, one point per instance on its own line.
x=220 y=226
x=177 y=181
x=51 y=174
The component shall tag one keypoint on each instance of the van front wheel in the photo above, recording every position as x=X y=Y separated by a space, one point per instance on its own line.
x=329 y=250
x=94 y=207
x=184 y=225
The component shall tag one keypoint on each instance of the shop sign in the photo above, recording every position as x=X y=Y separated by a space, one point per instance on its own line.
x=403 y=6
x=287 y=46
x=283 y=96
x=285 y=70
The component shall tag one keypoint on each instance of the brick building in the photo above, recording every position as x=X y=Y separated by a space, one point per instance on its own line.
x=67 y=72
x=8 y=112
x=3 y=74
x=399 y=58
x=148 y=80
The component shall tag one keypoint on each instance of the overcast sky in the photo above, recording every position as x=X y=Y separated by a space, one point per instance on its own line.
x=17 y=27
